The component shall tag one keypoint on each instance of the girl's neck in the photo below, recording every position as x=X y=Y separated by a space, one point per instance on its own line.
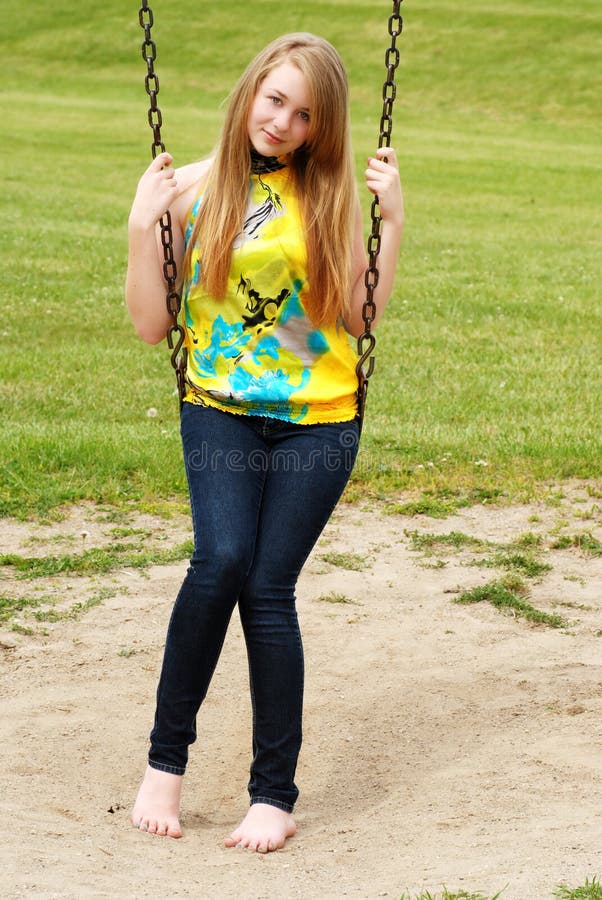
x=261 y=165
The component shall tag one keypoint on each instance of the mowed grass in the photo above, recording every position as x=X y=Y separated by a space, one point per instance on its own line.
x=488 y=368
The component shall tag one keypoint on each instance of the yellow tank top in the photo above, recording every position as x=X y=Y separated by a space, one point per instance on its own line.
x=256 y=352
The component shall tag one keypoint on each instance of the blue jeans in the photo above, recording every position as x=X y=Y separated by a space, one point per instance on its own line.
x=261 y=491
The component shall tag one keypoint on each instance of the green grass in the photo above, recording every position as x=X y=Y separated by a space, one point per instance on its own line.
x=451 y=895
x=509 y=594
x=96 y=561
x=76 y=610
x=42 y=608
x=428 y=542
x=334 y=597
x=585 y=542
x=524 y=563
x=353 y=561
x=487 y=372
x=589 y=890
x=11 y=606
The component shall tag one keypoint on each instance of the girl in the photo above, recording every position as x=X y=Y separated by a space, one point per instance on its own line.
x=268 y=238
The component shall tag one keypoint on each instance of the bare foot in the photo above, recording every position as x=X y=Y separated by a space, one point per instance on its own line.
x=157 y=805
x=264 y=828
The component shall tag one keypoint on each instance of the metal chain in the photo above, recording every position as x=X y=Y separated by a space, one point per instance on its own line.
x=173 y=298
x=366 y=341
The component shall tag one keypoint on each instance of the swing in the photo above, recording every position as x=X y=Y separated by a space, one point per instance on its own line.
x=366 y=342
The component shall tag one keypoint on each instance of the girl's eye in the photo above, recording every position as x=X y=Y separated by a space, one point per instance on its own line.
x=304 y=116
x=276 y=100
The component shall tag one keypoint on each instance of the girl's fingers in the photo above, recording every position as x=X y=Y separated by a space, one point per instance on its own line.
x=161 y=160
x=378 y=164
x=389 y=153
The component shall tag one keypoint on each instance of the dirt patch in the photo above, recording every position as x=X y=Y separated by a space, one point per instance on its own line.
x=444 y=743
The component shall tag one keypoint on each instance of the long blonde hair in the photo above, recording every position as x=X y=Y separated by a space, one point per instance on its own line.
x=322 y=168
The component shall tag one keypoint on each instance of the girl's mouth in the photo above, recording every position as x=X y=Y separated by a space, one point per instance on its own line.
x=272 y=137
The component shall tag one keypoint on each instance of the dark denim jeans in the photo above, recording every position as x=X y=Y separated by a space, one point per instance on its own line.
x=261 y=491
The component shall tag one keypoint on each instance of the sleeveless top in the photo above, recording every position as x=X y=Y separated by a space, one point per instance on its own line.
x=255 y=351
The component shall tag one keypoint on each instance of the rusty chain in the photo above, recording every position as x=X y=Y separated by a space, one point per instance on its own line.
x=366 y=341
x=173 y=299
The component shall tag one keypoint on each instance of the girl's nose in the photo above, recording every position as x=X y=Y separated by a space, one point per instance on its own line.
x=282 y=120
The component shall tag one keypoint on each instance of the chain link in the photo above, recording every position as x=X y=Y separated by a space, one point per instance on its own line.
x=173 y=299
x=366 y=341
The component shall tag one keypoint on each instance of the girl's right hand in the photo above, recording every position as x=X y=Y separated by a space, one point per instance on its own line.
x=157 y=190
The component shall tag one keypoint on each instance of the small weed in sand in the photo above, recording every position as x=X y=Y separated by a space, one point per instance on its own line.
x=428 y=505
x=120 y=532
x=524 y=562
x=354 y=561
x=74 y=612
x=568 y=604
x=431 y=543
x=529 y=541
x=509 y=594
x=333 y=597
x=589 y=890
x=22 y=629
x=97 y=560
x=585 y=542
x=9 y=606
x=451 y=895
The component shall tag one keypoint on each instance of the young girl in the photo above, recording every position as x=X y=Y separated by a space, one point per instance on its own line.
x=268 y=239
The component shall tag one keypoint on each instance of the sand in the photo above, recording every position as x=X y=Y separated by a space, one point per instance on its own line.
x=444 y=743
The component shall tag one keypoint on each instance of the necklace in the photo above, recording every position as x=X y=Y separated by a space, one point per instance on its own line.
x=262 y=165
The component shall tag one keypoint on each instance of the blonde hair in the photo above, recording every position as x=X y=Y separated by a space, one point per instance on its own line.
x=322 y=168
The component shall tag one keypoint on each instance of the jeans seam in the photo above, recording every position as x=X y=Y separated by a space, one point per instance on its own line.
x=163 y=767
x=270 y=801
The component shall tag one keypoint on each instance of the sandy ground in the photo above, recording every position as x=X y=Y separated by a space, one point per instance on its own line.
x=445 y=744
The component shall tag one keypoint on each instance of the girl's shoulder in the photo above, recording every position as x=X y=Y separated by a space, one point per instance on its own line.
x=191 y=180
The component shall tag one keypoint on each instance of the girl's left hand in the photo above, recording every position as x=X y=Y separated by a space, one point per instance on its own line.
x=382 y=178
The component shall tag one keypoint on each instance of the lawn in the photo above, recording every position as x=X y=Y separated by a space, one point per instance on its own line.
x=487 y=380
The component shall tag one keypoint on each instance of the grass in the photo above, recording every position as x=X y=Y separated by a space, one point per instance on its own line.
x=525 y=563
x=42 y=608
x=451 y=895
x=509 y=594
x=585 y=542
x=589 y=890
x=96 y=561
x=428 y=542
x=334 y=597
x=76 y=609
x=485 y=381
x=352 y=561
x=11 y=606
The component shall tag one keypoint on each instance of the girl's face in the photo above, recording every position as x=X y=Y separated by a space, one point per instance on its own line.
x=279 y=118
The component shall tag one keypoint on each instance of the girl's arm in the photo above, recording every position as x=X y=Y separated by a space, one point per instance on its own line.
x=145 y=286
x=160 y=188
x=382 y=179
